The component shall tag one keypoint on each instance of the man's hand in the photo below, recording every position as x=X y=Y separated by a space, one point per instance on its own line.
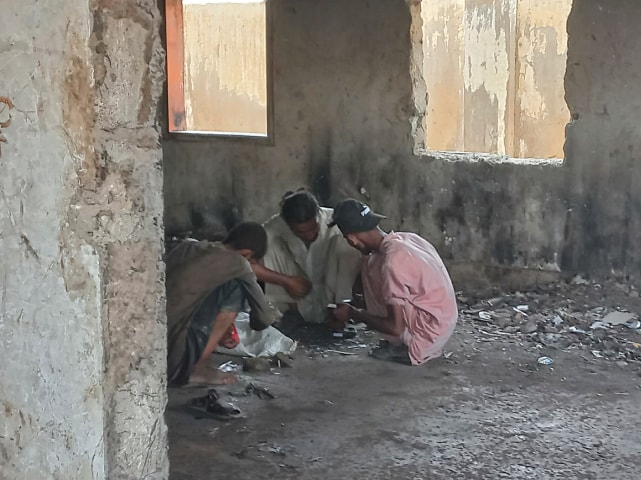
x=297 y=287
x=343 y=313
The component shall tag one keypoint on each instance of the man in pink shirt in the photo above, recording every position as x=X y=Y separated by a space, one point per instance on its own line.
x=408 y=292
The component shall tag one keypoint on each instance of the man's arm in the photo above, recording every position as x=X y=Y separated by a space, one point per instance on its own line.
x=223 y=321
x=392 y=324
x=297 y=287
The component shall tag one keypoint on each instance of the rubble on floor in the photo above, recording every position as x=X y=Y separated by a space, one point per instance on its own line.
x=598 y=318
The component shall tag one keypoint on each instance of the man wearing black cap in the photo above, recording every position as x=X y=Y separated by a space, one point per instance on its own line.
x=408 y=292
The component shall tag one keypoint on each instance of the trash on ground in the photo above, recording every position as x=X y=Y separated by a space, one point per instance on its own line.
x=579 y=280
x=545 y=361
x=265 y=343
x=618 y=318
x=230 y=366
x=275 y=449
x=281 y=360
x=341 y=352
x=260 y=392
x=560 y=315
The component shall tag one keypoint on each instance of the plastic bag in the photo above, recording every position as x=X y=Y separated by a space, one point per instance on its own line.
x=265 y=343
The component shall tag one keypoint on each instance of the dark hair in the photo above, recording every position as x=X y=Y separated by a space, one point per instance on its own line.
x=299 y=207
x=250 y=236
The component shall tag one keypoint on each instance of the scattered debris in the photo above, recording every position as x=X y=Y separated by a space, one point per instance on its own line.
x=579 y=280
x=618 y=318
x=599 y=324
x=530 y=326
x=341 y=352
x=252 y=388
x=230 y=366
x=260 y=392
x=281 y=359
x=545 y=361
x=275 y=449
x=256 y=364
x=560 y=316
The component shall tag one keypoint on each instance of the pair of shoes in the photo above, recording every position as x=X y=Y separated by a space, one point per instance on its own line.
x=393 y=353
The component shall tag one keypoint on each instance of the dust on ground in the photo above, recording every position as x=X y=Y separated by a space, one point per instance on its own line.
x=488 y=411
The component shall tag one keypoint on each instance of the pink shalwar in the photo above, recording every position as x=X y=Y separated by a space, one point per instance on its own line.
x=408 y=271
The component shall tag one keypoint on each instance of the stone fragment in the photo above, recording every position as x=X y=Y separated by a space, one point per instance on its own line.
x=503 y=322
x=618 y=318
x=256 y=364
x=529 y=326
x=283 y=360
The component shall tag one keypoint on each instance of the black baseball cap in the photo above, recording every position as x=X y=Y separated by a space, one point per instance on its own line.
x=352 y=216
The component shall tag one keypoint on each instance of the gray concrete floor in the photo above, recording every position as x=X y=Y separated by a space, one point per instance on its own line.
x=488 y=412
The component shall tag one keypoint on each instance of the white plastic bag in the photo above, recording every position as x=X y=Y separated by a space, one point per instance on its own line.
x=265 y=343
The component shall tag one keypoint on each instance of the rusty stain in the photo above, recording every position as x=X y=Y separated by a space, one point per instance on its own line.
x=7 y=101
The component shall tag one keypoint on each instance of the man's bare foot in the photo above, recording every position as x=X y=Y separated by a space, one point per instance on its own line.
x=211 y=377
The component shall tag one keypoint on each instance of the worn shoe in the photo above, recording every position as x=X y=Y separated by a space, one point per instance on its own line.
x=392 y=353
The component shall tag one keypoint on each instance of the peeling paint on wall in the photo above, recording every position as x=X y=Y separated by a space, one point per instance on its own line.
x=225 y=73
x=494 y=71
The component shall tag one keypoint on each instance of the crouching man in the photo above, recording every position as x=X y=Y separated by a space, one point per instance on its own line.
x=208 y=284
x=308 y=264
x=408 y=292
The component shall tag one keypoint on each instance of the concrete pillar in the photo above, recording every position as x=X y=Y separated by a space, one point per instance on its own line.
x=82 y=326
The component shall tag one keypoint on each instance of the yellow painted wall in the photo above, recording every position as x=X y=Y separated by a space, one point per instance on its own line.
x=225 y=67
x=494 y=71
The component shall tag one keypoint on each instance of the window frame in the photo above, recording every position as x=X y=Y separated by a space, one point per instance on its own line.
x=175 y=91
x=420 y=131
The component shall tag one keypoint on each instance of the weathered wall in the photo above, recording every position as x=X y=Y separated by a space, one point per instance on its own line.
x=343 y=107
x=82 y=335
x=231 y=79
x=494 y=71
x=603 y=172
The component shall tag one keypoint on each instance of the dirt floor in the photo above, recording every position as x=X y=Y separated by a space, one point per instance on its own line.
x=488 y=411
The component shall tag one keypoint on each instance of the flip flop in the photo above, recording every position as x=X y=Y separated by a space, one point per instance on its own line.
x=210 y=406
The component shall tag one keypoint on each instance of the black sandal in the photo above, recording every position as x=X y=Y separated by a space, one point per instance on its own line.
x=392 y=353
x=211 y=406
